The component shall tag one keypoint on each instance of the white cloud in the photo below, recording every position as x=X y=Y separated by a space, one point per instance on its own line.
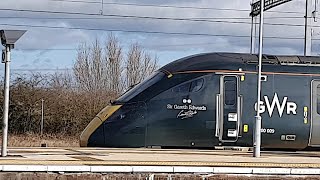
x=43 y=38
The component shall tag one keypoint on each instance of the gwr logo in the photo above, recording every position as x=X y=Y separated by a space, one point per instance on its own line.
x=291 y=107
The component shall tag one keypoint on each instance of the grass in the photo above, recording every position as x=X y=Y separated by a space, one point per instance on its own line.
x=34 y=140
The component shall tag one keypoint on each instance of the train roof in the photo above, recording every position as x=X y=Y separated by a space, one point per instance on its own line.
x=209 y=61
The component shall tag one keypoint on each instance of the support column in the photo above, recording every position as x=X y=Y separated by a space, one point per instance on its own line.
x=307 y=29
x=6 y=103
x=257 y=130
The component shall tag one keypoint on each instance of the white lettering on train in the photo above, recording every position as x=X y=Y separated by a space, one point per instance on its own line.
x=291 y=107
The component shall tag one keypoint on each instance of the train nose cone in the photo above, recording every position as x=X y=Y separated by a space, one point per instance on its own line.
x=96 y=123
x=85 y=135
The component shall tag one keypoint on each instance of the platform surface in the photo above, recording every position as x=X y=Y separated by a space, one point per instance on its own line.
x=159 y=157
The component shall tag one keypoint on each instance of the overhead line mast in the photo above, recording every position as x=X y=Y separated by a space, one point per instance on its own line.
x=257 y=9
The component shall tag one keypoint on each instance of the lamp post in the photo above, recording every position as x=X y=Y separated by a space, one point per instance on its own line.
x=41 y=126
x=257 y=132
x=258 y=7
x=8 y=39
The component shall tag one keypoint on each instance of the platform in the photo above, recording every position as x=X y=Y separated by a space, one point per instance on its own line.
x=105 y=160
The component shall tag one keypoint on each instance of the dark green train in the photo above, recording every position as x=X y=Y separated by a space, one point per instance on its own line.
x=209 y=100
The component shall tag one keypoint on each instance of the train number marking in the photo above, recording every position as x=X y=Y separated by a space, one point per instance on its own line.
x=268 y=130
x=291 y=107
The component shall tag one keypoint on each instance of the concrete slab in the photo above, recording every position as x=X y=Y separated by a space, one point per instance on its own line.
x=153 y=169
x=272 y=171
x=162 y=161
x=184 y=169
x=69 y=168
x=232 y=170
x=310 y=171
x=115 y=169
x=24 y=168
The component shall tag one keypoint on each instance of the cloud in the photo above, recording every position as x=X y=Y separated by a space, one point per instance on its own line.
x=46 y=38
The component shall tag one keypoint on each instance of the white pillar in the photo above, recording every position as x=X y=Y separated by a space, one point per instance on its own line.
x=6 y=103
x=253 y=35
x=307 y=30
x=257 y=130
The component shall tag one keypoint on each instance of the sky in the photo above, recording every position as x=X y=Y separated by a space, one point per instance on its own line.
x=169 y=29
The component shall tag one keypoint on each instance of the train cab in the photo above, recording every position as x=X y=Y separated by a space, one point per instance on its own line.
x=209 y=100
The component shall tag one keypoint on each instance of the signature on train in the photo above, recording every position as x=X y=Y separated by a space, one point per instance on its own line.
x=183 y=114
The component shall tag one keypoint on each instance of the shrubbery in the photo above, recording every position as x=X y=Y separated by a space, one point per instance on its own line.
x=73 y=98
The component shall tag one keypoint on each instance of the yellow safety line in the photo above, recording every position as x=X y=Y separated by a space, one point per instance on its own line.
x=158 y=163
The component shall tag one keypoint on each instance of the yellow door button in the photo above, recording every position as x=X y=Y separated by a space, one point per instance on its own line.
x=245 y=128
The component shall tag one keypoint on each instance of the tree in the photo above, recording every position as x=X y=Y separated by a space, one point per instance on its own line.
x=114 y=62
x=88 y=68
x=139 y=65
x=72 y=99
x=25 y=102
x=98 y=69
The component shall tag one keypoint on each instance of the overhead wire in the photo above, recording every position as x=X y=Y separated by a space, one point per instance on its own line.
x=96 y=18
x=116 y=16
x=140 y=31
x=171 y=6
x=43 y=69
x=142 y=17
x=145 y=46
x=145 y=17
x=75 y=49
x=38 y=70
x=150 y=5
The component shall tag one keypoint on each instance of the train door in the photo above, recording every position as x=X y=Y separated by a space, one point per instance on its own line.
x=315 y=114
x=228 y=109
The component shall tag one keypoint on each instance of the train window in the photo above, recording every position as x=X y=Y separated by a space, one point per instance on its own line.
x=196 y=85
x=184 y=88
x=230 y=93
x=318 y=99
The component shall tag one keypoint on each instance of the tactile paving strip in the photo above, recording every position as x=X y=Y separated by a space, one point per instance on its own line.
x=157 y=163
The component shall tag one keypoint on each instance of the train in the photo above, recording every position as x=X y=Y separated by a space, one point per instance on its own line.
x=210 y=100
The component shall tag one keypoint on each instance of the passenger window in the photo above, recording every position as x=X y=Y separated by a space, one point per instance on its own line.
x=196 y=85
x=318 y=99
x=230 y=91
x=184 y=88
